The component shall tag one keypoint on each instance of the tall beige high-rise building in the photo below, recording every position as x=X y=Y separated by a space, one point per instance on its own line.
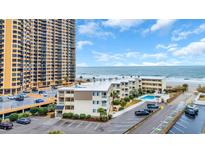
x=36 y=53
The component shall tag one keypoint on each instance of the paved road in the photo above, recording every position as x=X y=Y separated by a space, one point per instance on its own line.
x=150 y=124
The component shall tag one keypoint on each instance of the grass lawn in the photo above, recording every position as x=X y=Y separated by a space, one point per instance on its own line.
x=132 y=103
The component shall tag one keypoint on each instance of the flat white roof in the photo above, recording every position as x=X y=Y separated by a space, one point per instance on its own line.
x=105 y=85
x=90 y=86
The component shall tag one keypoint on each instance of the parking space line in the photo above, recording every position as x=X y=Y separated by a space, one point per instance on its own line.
x=184 y=121
x=96 y=127
x=88 y=125
x=171 y=132
x=179 y=129
x=79 y=124
x=181 y=125
x=71 y=123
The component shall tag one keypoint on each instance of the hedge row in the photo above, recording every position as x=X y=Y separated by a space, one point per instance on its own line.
x=70 y=115
x=15 y=116
x=83 y=116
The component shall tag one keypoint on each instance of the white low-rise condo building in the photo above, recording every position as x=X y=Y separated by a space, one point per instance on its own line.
x=88 y=97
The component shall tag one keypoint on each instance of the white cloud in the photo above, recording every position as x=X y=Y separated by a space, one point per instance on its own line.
x=194 y=48
x=82 y=65
x=122 y=24
x=161 y=63
x=154 y=55
x=169 y=47
x=93 y=29
x=132 y=54
x=80 y=44
x=105 y=57
x=178 y=35
x=160 y=24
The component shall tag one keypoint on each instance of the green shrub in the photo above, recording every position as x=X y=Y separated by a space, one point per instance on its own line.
x=34 y=110
x=76 y=116
x=82 y=116
x=110 y=116
x=131 y=97
x=88 y=116
x=121 y=108
x=42 y=111
x=123 y=103
x=51 y=107
x=55 y=132
x=116 y=102
x=0 y=120
x=13 y=117
x=104 y=118
x=23 y=115
x=126 y=99
x=68 y=115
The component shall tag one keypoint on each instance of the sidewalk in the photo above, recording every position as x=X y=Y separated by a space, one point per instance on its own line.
x=127 y=109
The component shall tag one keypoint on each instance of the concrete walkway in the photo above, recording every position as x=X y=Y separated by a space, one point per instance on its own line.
x=128 y=109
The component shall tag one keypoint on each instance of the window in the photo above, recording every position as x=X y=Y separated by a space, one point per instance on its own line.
x=94 y=110
x=95 y=93
x=69 y=107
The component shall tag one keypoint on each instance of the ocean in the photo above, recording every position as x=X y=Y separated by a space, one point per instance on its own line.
x=196 y=73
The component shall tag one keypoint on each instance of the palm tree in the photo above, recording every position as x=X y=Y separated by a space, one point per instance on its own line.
x=114 y=95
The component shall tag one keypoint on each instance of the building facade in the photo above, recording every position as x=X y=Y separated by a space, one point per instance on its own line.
x=36 y=53
x=88 y=97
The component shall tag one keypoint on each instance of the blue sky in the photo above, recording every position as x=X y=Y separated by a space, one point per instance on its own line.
x=117 y=42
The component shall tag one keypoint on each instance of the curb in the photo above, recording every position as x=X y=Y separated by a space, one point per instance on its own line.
x=171 y=124
x=140 y=123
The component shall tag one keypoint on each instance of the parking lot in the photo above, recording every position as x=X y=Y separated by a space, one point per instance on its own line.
x=188 y=125
x=9 y=104
x=42 y=125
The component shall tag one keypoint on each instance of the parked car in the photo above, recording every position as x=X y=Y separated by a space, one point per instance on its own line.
x=39 y=100
x=152 y=106
x=1 y=99
x=19 y=98
x=148 y=110
x=26 y=91
x=141 y=113
x=45 y=95
x=42 y=92
x=6 y=125
x=190 y=112
x=24 y=121
x=24 y=95
x=11 y=97
x=34 y=90
x=193 y=107
x=54 y=87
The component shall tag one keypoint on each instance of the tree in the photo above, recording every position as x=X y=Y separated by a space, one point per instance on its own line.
x=134 y=93
x=23 y=115
x=34 y=110
x=123 y=103
x=126 y=99
x=42 y=111
x=140 y=91
x=101 y=111
x=51 y=107
x=13 y=117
